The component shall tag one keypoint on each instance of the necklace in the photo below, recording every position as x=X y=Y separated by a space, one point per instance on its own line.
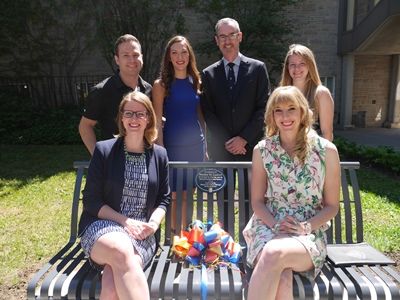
x=133 y=156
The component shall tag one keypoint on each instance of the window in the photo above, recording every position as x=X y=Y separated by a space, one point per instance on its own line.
x=329 y=82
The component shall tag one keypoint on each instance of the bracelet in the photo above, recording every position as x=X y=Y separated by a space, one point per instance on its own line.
x=276 y=227
x=306 y=228
x=155 y=222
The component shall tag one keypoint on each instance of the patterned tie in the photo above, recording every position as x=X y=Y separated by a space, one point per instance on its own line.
x=231 y=76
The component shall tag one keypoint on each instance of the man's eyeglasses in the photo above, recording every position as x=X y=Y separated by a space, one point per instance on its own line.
x=137 y=114
x=231 y=37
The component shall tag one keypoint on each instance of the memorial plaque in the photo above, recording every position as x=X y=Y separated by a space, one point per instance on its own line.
x=210 y=180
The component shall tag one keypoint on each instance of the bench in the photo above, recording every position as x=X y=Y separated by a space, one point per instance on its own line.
x=68 y=274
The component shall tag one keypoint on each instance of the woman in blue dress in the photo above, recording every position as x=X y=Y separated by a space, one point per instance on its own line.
x=176 y=98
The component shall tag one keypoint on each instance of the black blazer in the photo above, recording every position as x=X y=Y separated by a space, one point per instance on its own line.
x=105 y=180
x=240 y=113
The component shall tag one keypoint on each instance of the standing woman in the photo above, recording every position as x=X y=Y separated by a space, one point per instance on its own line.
x=124 y=201
x=300 y=69
x=176 y=97
x=295 y=187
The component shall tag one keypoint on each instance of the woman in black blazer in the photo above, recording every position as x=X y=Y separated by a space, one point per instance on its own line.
x=125 y=200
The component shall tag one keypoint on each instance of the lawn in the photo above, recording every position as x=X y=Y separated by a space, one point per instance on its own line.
x=36 y=185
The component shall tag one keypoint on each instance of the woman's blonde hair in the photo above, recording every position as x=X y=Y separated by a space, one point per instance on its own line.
x=312 y=80
x=290 y=94
x=150 y=133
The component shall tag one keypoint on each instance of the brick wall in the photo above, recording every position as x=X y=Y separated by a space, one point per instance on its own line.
x=371 y=87
x=361 y=10
x=315 y=25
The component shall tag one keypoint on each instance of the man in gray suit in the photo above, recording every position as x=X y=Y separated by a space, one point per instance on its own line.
x=235 y=92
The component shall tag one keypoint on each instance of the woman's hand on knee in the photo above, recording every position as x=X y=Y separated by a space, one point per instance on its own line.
x=135 y=228
x=140 y=230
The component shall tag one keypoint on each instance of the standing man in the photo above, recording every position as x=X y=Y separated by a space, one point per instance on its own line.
x=103 y=101
x=235 y=92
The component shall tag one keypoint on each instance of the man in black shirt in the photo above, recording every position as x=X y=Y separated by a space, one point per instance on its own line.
x=103 y=101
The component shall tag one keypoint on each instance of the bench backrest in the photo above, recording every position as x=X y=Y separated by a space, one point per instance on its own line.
x=347 y=226
x=231 y=204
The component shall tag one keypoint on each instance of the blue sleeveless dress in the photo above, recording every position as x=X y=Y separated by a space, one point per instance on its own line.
x=183 y=135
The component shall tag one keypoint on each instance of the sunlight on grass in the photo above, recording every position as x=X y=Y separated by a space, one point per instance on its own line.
x=34 y=223
x=381 y=222
x=35 y=202
x=36 y=195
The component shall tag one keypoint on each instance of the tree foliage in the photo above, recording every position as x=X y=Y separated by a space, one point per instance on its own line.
x=152 y=22
x=44 y=37
x=262 y=22
x=50 y=37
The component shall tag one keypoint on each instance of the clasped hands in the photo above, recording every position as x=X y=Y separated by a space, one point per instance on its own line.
x=289 y=225
x=236 y=145
x=140 y=230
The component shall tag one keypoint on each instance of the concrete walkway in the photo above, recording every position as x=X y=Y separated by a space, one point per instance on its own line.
x=372 y=137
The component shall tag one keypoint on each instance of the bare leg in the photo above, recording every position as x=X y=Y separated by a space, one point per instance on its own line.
x=182 y=209
x=173 y=214
x=108 y=291
x=115 y=250
x=285 y=288
x=278 y=255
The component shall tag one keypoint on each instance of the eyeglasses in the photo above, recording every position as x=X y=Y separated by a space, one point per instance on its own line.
x=137 y=114
x=230 y=37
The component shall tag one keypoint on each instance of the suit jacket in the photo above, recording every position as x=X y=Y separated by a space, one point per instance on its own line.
x=105 y=180
x=237 y=113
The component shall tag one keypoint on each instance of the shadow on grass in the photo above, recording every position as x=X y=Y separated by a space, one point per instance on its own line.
x=22 y=164
x=380 y=183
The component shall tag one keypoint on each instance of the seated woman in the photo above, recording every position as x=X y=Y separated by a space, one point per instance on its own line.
x=125 y=199
x=294 y=193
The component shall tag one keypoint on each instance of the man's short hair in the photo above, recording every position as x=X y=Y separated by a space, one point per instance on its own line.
x=229 y=21
x=126 y=38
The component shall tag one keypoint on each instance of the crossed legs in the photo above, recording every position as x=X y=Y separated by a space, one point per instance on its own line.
x=273 y=274
x=123 y=276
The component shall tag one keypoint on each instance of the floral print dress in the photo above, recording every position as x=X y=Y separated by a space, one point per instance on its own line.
x=293 y=189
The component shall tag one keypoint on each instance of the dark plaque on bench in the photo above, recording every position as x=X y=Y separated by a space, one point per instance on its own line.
x=210 y=180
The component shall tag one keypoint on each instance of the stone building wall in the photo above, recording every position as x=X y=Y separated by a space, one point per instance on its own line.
x=371 y=87
x=362 y=8
x=315 y=25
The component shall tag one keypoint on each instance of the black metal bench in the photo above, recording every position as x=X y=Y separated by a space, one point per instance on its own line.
x=68 y=275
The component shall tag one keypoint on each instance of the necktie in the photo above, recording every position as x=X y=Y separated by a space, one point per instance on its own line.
x=231 y=76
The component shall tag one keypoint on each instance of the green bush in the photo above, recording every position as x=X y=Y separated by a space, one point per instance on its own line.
x=383 y=157
x=22 y=123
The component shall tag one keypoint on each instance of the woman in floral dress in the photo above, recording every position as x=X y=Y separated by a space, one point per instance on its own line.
x=295 y=192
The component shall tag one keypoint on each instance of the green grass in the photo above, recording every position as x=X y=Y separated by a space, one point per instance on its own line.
x=36 y=184
x=35 y=198
x=380 y=195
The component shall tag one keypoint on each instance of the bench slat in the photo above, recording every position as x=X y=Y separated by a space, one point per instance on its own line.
x=160 y=263
x=69 y=275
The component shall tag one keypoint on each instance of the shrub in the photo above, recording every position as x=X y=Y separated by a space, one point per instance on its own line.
x=383 y=157
x=23 y=123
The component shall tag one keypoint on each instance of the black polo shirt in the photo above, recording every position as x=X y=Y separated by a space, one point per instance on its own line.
x=103 y=101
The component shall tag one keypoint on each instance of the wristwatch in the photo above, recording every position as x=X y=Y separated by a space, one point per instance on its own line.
x=306 y=227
